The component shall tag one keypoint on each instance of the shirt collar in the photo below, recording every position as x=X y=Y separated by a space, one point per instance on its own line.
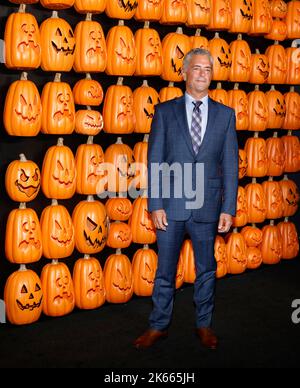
x=189 y=99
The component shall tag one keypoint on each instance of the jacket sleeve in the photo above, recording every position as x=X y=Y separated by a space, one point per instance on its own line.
x=230 y=168
x=156 y=155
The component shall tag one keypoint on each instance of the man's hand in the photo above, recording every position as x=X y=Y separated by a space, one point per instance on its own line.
x=225 y=223
x=159 y=218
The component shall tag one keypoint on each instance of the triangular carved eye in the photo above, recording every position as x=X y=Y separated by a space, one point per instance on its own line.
x=24 y=290
x=179 y=53
x=91 y=224
x=71 y=35
x=37 y=288
x=58 y=32
x=123 y=43
x=242 y=54
x=150 y=100
x=23 y=100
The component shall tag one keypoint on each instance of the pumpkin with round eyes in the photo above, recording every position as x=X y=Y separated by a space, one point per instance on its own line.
x=90 y=51
x=88 y=283
x=260 y=68
x=174 y=12
x=262 y=19
x=88 y=92
x=219 y=94
x=142 y=226
x=22 y=41
x=278 y=64
x=243 y=163
x=179 y=278
x=175 y=46
x=121 y=49
x=237 y=100
x=256 y=150
x=57 y=232
x=58 y=117
x=258 y=110
x=23 y=297
x=23 y=109
x=121 y=9
x=26 y=245
x=278 y=9
x=220 y=15
x=256 y=202
x=291 y=197
x=119 y=235
x=198 y=41
x=252 y=236
x=276 y=156
x=278 y=31
x=198 y=12
x=22 y=180
x=292 y=153
x=89 y=158
x=221 y=257
x=290 y=240
x=59 y=172
x=58 y=45
x=118 y=209
x=149 y=52
x=293 y=66
x=90 y=223
x=58 y=289
x=242 y=15
x=220 y=50
x=57 y=4
x=118 y=278
x=144 y=265
x=149 y=10
x=254 y=257
x=236 y=253
x=241 y=59
x=293 y=19
x=188 y=259
x=276 y=108
x=92 y=6
x=241 y=217
x=292 y=117
x=88 y=122
x=169 y=92
x=271 y=246
x=274 y=199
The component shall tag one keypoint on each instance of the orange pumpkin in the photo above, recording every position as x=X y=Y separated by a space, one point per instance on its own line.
x=256 y=150
x=57 y=4
x=241 y=60
x=291 y=197
x=276 y=156
x=169 y=92
x=144 y=266
x=220 y=15
x=140 y=156
x=93 y=6
x=291 y=146
x=274 y=199
x=256 y=202
x=23 y=297
x=124 y=9
x=22 y=180
x=293 y=19
x=221 y=257
x=262 y=19
x=59 y=172
x=243 y=163
x=242 y=15
x=118 y=209
x=57 y=232
x=58 y=289
x=23 y=108
x=237 y=100
x=88 y=283
x=278 y=64
x=220 y=51
x=179 y=277
x=198 y=41
x=258 y=110
x=198 y=12
x=118 y=278
x=293 y=66
x=119 y=235
x=260 y=68
x=144 y=100
x=254 y=257
x=188 y=258
x=149 y=10
x=26 y=245
x=241 y=217
x=271 y=246
x=276 y=108
x=278 y=31
x=292 y=117
x=174 y=12
x=219 y=94
x=252 y=236
x=278 y=9
x=88 y=122
x=88 y=92
x=290 y=240
x=142 y=227
x=236 y=253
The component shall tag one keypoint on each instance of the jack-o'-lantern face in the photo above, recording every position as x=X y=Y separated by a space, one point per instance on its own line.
x=64 y=290
x=149 y=107
x=252 y=236
x=125 y=51
x=220 y=250
x=243 y=163
x=224 y=8
x=63 y=108
x=224 y=57
x=262 y=157
x=30 y=298
x=128 y=5
x=63 y=41
x=30 y=39
x=153 y=50
x=93 y=122
x=94 y=284
x=241 y=203
x=239 y=253
x=95 y=232
x=119 y=235
x=204 y=5
x=280 y=64
x=146 y=222
x=254 y=257
x=278 y=158
x=292 y=244
x=28 y=181
x=260 y=110
x=260 y=68
x=62 y=232
x=95 y=43
x=264 y=11
x=30 y=236
x=242 y=109
x=28 y=110
x=94 y=170
x=259 y=204
x=125 y=108
x=246 y=10
x=177 y=60
x=243 y=61
x=122 y=280
x=276 y=198
x=147 y=272
x=279 y=9
x=279 y=109
x=64 y=173
x=88 y=277
x=292 y=197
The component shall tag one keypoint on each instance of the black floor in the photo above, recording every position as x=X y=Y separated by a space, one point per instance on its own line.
x=252 y=318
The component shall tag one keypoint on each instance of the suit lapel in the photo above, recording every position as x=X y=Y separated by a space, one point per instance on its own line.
x=180 y=113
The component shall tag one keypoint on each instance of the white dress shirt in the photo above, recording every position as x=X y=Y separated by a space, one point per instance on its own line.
x=204 y=112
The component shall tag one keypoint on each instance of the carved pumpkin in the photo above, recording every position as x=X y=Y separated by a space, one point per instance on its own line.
x=260 y=68
x=293 y=19
x=149 y=10
x=23 y=297
x=118 y=209
x=254 y=257
x=243 y=163
x=121 y=51
x=174 y=12
x=271 y=246
x=58 y=44
x=293 y=66
x=236 y=253
x=220 y=15
x=291 y=198
x=144 y=100
x=57 y=4
x=252 y=236
x=140 y=156
x=58 y=289
x=26 y=245
x=258 y=111
x=118 y=278
x=188 y=258
x=276 y=156
x=90 y=51
x=143 y=229
x=262 y=19
x=290 y=240
x=237 y=100
x=278 y=31
x=119 y=235
x=256 y=202
x=57 y=232
x=219 y=94
x=22 y=41
x=221 y=53
x=22 y=180
x=88 y=122
x=256 y=150
x=292 y=153
x=22 y=114
x=241 y=217
x=118 y=111
x=292 y=117
x=59 y=172
x=58 y=116
x=221 y=257
x=121 y=9
x=93 y=6
x=88 y=283
x=90 y=224
x=149 y=52
x=278 y=64
x=278 y=9
x=274 y=199
x=241 y=60
x=198 y=12
x=276 y=108
x=144 y=266
x=88 y=92
x=179 y=277
x=175 y=46
x=89 y=158
x=242 y=15
x=198 y=41
x=169 y=92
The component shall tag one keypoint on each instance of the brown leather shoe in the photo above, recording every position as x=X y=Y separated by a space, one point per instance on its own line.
x=207 y=337
x=149 y=338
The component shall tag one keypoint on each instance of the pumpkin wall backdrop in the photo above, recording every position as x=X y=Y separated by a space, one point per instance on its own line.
x=78 y=88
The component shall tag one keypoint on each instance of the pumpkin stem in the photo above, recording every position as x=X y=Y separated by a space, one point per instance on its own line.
x=257 y=51
x=146 y=138
x=275 y=134
x=121 y=23
x=198 y=32
x=146 y=246
x=217 y=35
x=60 y=141
x=119 y=140
x=171 y=84
x=54 y=202
x=88 y=76
x=256 y=88
x=22 y=267
x=236 y=86
x=235 y=230
x=22 y=206
x=118 y=251
x=57 y=77
x=90 y=140
x=240 y=37
x=256 y=135
x=146 y=24
x=145 y=83
x=286 y=219
x=292 y=89
x=54 y=262
x=285 y=177
x=253 y=225
x=88 y=107
x=253 y=180
x=90 y=198
x=54 y=15
x=219 y=85
x=22 y=158
x=270 y=179
x=120 y=81
x=89 y=16
x=272 y=222
x=22 y=8
x=272 y=87
x=179 y=30
x=276 y=41
x=289 y=133
x=24 y=76
x=86 y=257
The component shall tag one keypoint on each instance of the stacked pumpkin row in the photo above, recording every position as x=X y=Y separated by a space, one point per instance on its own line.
x=56 y=48
x=266 y=18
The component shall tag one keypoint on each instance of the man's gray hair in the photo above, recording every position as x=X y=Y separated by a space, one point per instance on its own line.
x=192 y=53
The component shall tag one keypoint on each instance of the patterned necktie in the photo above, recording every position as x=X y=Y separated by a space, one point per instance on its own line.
x=196 y=126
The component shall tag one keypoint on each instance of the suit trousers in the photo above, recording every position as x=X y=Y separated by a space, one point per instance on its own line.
x=169 y=244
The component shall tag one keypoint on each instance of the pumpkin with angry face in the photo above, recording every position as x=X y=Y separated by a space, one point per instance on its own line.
x=243 y=163
x=276 y=108
x=271 y=246
x=260 y=68
x=221 y=53
x=241 y=217
x=220 y=15
x=142 y=226
x=241 y=59
x=144 y=265
x=291 y=197
x=236 y=253
x=119 y=235
x=290 y=240
x=258 y=110
x=198 y=12
x=242 y=15
x=88 y=122
x=118 y=209
x=23 y=297
x=121 y=9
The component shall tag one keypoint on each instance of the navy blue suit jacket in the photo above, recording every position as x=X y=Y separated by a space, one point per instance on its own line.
x=170 y=142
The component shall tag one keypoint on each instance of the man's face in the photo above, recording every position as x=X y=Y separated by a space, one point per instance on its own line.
x=198 y=75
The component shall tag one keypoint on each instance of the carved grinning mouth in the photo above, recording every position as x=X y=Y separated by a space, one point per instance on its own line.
x=30 y=44
x=95 y=244
x=62 y=242
x=202 y=8
x=28 y=306
x=65 y=296
x=127 y=7
x=66 y=51
x=67 y=184
x=31 y=242
x=33 y=118
x=246 y=15
x=28 y=191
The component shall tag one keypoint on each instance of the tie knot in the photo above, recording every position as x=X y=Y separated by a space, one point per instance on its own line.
x=197 y=104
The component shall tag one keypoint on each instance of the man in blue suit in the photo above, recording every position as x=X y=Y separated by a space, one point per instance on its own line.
x=192 y=188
